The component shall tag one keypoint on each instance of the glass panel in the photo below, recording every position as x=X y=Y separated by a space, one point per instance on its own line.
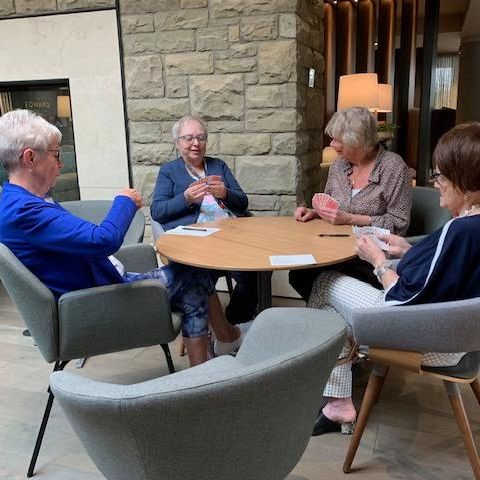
x=51 y=100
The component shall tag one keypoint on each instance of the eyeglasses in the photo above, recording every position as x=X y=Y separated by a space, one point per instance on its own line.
x=58 y=155
x=190 y=138
x=436 y=177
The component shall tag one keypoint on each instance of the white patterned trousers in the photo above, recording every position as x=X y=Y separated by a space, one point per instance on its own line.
x=340 y=293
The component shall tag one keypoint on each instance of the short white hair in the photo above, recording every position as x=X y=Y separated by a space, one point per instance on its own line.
x=355 y=127
x=21 y=129
x=177 y=126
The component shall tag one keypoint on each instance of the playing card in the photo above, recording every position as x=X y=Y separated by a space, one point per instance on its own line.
x=323 y=200
x=373 y=232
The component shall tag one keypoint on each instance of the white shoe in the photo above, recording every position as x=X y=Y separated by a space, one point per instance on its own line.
x=224 y=348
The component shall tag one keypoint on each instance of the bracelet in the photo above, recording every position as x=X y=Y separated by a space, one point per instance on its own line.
x=380 y=271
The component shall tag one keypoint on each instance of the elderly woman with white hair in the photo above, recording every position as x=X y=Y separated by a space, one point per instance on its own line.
x=196 y=188
x=372 y=186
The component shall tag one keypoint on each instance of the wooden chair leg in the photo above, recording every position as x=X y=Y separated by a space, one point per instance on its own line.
x=456 y=402
x=375 y=384
x=475 y=385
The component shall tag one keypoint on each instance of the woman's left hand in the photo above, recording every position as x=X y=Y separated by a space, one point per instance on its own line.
x=334 y=216
x=217 y=188
x=369 y=251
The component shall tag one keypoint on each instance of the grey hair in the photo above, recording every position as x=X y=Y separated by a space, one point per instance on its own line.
x=355 y=127
x=21 y=129
x=177 y=126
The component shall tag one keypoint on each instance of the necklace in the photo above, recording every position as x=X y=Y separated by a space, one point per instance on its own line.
x=471 y=210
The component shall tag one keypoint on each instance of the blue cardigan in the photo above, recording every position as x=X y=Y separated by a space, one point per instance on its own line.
x=445 y=266
x=169 y=206
x=64 y=251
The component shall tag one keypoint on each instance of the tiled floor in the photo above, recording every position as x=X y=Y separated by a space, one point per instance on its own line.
x=411 y=434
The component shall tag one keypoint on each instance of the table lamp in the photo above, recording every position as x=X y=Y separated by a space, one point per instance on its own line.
x=358 y=90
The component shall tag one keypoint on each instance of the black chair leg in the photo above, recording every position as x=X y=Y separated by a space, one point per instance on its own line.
x=43 y=425
x=166 y=351
x=228 y=279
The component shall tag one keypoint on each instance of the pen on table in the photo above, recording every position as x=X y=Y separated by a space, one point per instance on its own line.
x=333 y=235
x=195 y=228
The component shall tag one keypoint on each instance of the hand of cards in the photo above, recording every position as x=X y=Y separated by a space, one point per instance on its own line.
x=373 y=232
x=323 y=200
x=209 y=179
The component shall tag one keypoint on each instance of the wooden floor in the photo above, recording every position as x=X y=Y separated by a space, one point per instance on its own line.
x=411 y=434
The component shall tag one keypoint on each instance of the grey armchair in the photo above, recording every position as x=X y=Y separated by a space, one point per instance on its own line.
x=95 y=211
x=92 y=321
x=426 y=214
x=397 y=336
x=247 y=417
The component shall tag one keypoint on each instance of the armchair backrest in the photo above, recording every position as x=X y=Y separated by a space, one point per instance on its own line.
x=248 y=417
x=426 y=215
x=34 y=301
x=95 y=211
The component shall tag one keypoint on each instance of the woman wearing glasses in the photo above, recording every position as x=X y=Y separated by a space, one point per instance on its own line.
x=196 y=188
x=445 y=266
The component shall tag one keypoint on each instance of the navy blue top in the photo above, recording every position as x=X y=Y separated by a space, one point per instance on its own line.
x=169 y=206
x=445 y=266
x=64 y=251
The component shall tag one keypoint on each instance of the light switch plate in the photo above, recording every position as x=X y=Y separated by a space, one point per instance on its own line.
x=311 y=77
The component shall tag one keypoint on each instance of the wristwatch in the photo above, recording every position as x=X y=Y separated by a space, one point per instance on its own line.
x=380 y=271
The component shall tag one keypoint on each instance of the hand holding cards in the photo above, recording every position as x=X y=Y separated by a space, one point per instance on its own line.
x=373 y=232
x=323 y=200
x=207 y=180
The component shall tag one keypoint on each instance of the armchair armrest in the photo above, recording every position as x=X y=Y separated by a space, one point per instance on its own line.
x=111 y=318
x=433 y=327
x=140 y=257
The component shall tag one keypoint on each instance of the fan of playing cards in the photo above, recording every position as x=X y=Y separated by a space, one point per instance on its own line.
x=323 y=200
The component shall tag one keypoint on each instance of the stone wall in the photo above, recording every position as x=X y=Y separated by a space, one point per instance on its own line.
x=240 y=64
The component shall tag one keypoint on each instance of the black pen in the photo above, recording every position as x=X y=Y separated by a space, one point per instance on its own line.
x=195 y=229
x=333 y=235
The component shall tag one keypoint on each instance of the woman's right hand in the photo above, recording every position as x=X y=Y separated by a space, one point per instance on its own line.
x=195 y=193
x=397 y=246
x=304 y=214
x=135 y=196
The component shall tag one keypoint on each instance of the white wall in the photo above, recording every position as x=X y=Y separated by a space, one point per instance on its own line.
x=83 y=48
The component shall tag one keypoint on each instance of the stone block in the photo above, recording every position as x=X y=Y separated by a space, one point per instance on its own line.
x=189 y=63
x=225 y=126
x=147 y=6
x=258 y=28
x=213 y=146
x=217 y=97
x=235 y=8
x=35 y=6
x=287 y=25
x=181 y=19
x=234 y=33
x=269 y=174
x=144 y=178
x=308 y=35
x=290 y=97
x=176 y=87
x=265 y=213
x=245 y=143
x=170 y=42
x=193 y=3
x=65 y=5
x=284 y=143
x=288 y=204
x=235 y=65
x=137 y=24
x=250 y=78
x=140 y=43
x=157 y=109
x=150 y=153
x=264 y=96
x=237 y=50
x=277 y=61
x=263 y=202
x=280 y=120
x=7 y=7
x=212 y=38
x=147 y=132
x=143 y=76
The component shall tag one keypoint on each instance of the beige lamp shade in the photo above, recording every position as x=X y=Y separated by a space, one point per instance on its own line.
x=63 y=107
x=329 y=154
x=358 y=90
x=385 y=97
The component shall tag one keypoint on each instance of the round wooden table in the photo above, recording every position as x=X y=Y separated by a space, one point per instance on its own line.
x=246 y=243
